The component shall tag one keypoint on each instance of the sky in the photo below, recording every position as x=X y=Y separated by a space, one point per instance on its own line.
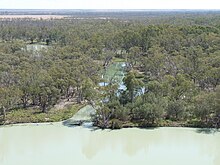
x=109 y=4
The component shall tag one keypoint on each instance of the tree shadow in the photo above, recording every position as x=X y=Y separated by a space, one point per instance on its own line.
x=95 y=128
x=83 y=124
x=69 y=123
x=37 y=112
x=148 y=128
x=207 y=130
x=89 y=125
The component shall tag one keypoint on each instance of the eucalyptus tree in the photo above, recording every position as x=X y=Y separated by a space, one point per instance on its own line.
x=133 y=84
x=9 y=98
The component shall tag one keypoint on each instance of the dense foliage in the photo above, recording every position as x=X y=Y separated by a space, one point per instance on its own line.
x=173 y=69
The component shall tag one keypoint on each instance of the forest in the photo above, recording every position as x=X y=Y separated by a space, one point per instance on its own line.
x=172 y=65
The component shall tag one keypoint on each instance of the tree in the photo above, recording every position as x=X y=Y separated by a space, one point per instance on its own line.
x=176 y=109
x=45 y=91
x=179 y=92
x=9 y=98
x=148 y=109
x=193 y=64
x=153 y=63
x=207 y=107
x=133 y=55
x=204 y=106
x=133 y=84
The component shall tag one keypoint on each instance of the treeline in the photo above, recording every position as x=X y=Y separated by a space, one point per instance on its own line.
x=173 y=70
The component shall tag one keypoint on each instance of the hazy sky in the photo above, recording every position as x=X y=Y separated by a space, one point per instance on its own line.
x=109 y=4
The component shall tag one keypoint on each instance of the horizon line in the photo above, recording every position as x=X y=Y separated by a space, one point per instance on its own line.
x=96 y=9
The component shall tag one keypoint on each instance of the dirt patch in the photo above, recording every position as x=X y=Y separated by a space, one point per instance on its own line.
x=64 y=103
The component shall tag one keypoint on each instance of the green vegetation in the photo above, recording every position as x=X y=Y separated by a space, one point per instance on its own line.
x=34 y=115
x=172 y=70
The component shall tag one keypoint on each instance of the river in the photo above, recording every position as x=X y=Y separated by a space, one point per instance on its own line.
x=56 y=144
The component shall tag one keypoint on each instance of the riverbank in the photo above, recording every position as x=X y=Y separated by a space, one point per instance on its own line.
x=35 y=115
x=193 y=123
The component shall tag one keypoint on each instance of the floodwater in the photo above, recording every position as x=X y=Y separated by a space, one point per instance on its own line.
x=56 y=144
x=115 y=72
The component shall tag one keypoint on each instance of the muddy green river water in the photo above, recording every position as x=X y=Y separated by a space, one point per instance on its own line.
x=56 y=144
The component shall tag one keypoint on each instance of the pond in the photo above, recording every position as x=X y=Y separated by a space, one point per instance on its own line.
x=56 y=144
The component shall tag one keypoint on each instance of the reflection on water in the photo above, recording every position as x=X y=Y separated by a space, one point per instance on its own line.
x=57 y=144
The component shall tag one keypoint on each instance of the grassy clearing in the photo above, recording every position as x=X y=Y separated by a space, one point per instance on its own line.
x=115 y=59
x=36 y=116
